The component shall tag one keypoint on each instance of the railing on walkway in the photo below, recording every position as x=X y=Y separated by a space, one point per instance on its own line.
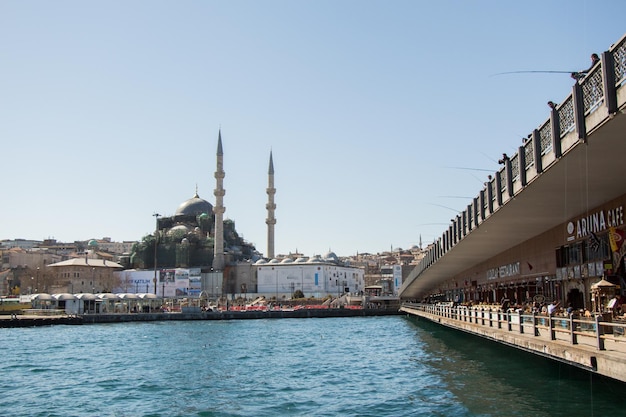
x=43 y=312
x=591 y=331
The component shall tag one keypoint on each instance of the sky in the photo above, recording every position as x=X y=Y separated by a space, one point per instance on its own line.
x=384 y=118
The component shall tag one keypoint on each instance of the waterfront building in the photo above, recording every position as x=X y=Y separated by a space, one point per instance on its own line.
x=541 y=228
x=316 y=277
x=19 y=243
x=83 y=275
x=109 y=246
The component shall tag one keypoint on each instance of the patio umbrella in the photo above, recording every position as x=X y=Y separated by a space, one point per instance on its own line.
x=602 y=283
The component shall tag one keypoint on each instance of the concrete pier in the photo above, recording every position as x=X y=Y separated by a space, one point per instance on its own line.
x=590 y=350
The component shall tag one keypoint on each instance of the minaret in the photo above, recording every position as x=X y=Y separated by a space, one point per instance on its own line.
x=219 y=209
x=271 y=207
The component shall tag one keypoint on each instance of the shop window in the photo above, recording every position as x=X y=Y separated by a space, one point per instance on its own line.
x=575 y=254
x=597 y=248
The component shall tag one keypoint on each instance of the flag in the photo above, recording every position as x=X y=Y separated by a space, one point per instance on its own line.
x=616 y=238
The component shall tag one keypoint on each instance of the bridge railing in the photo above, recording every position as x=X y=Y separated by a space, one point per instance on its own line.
x=593 y=331
x=593 y=100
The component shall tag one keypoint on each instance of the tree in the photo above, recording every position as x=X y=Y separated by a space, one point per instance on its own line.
x=297 y=294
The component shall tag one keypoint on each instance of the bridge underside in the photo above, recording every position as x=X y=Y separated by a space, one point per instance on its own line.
x=590 y=173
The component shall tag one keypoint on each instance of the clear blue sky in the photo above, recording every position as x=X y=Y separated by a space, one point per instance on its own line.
x=110 y=110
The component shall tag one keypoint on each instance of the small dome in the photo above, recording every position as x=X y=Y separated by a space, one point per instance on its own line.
x=315 y=260
x=274 y=261
x=177 y=229
x=194 y=206
x=92 y=243
x=260 y=262
x=287 y=261
x=301 y=260
x=331 y=257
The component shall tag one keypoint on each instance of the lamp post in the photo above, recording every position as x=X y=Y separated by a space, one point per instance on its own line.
x=37 y=282
x=156 y=243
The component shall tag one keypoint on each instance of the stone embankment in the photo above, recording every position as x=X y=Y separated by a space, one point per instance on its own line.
x=32 y=321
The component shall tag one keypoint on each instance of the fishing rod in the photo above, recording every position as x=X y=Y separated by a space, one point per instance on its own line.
x=471 y=169
x=533 y=72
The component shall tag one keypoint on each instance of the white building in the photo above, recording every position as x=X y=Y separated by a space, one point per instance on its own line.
x=315 y=277
x=392 y=273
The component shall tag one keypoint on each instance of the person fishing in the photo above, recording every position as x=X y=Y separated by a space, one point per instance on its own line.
x=582 y=74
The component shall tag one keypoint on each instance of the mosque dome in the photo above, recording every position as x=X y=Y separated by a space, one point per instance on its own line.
x=92 y=243
x=194 y=206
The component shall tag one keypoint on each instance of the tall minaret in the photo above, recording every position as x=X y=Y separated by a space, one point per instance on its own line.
x=219 y=209
x=270 y=206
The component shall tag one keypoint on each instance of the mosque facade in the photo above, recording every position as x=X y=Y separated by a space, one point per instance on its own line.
x=196 y=251
x=316 y=276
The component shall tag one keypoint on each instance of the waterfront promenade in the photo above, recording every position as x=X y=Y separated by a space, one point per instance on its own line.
x=32 y=320
x=593 y=344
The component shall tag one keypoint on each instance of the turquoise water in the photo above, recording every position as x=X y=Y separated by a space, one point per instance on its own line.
x=378 y=366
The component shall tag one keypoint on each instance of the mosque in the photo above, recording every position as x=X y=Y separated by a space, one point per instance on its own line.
x=196 y=252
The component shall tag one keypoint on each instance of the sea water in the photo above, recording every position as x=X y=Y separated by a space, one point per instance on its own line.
x=363 y=366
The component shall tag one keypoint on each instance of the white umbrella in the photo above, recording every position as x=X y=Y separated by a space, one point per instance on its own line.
x=602 y=283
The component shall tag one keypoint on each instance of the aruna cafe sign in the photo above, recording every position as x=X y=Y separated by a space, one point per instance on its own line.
x=596 y=222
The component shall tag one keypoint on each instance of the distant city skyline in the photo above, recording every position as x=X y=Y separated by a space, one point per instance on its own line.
x=383 y=119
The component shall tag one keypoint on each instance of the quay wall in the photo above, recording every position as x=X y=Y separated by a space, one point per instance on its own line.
x=609 y=363
x=33 y=321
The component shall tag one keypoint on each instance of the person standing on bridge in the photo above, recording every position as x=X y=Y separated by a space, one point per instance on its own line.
x=552 y=307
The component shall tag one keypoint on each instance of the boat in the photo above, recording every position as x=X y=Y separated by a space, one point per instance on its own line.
x=14 y=304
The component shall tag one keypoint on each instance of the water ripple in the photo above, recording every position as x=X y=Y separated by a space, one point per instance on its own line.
x=379 y=366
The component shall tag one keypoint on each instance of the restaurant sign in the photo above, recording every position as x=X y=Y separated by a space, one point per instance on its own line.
x=596 y=222
x=503 y=271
